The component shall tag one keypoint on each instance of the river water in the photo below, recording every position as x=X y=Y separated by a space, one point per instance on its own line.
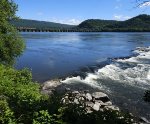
x=115 y=63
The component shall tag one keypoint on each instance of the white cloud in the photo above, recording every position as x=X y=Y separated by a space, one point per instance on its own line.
x=121 y=17
x=65 y=21
x=73 y=21
x=145 y=4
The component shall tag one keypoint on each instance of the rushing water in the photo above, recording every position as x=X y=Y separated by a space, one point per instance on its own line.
x=110 y=62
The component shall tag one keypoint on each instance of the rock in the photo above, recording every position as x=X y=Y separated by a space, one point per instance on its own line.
x=49 y=86
x=96 y=106
x=100 y=96
x=144 y=121
x=75 y=92
x=89 y=110
x=76 y=101
x=88 y=97
x=112 y=108
x=63 y=100
x=81 y=98
x=100 y=103
x=86 y=91
x=107 y=103
x=66 y=97
x=89 y=104
x=67 y=89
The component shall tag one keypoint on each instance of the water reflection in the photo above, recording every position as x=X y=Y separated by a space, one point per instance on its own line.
x=52 y=55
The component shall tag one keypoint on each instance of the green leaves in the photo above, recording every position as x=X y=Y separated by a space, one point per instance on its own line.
x=6 y=115
x=11 y=44
x=21 y=101
x=43 y=117
x=23 y=95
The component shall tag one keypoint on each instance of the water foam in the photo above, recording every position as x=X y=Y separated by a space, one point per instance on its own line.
x=124 y=80
x=137 y=75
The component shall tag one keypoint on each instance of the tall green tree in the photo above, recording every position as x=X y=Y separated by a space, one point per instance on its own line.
x=11 y=44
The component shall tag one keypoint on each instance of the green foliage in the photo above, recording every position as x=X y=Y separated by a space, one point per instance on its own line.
x=40 y=25
x=76 y=114
x=147 y=96
x=22 y=102
x=6 y=115
x=96 y=24
x=138 y=23
x=11 y=45
x=23 y=96
x=43 y=117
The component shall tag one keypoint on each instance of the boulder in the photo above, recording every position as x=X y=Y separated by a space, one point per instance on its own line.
x=76 y=101
x=89 y=104
x=144 y=121
x=112 y=108
x=88 y=97
x=100 y=96
x=96 y=106
x=75 y=92
x=49 y=86
x=106 y=104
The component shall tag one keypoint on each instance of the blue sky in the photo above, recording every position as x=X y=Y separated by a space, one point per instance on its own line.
x=75 y=11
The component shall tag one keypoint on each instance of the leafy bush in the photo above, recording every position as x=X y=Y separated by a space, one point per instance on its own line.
x=23 y=95
x=11 y=44
x=75 y=114
x=6 y=115
x=42 y=117
x=22 y=102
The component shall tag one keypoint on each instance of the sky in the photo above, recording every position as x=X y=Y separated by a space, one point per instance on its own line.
x=75 y=11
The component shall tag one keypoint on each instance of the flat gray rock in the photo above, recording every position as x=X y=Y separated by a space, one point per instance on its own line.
x=100 y=96
x=88 y=97
x=96 y=106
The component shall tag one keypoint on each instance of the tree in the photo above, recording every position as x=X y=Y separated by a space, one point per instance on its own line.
x=11 y=44
x=142 y=3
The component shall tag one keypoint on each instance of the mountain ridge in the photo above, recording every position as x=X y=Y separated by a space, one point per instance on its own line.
x=137 y=23
x=39 y=24
x=140 y=22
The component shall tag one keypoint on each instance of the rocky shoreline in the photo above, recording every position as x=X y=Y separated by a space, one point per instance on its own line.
x=92 y=98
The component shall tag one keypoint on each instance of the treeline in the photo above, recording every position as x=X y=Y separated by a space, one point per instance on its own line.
x=139 y=23
x=21 y=100
x=38 y=24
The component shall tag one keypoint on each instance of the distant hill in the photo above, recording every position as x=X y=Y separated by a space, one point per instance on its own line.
x=96 y=23
x=33 y=24
x=138 y=23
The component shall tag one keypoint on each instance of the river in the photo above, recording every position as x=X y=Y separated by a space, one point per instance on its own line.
x=115 y=63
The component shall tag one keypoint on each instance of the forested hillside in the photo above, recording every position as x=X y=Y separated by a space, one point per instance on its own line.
x=138 y=23
x=33 y=24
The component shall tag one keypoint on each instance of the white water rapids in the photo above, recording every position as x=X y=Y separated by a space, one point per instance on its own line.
x=124 y=80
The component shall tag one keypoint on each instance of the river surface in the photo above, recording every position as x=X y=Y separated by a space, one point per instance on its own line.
x=115 y=63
